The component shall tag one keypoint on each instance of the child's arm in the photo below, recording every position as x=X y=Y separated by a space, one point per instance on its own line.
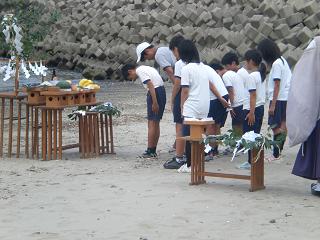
x=275 y=96
x=176 y=89
x=170 y=73
x=184 y=96
x=155 y=105
x=217 y=94
x=251 y=117
x=231 y=94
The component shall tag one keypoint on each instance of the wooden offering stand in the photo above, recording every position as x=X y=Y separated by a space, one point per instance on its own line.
x=95 y=134
x=198 y=173
x=15 y=99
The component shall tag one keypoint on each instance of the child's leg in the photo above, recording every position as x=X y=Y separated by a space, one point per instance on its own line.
x=186 y=132
x=180 y=144
x=237 y=128
x=153 y=134
x=217 y=131
x=157 y=133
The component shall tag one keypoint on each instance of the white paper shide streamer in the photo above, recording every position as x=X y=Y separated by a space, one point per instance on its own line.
x=13 y=37
x=25 y=70
x=9 y=72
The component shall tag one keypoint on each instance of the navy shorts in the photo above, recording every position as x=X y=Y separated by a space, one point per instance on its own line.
x=177 y=117
x=279 y=114
x=258 y=113
x=162 y=99
x=239 y=117
x=218 y=112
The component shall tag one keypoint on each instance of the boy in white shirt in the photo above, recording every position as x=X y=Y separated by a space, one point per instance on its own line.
x=156 y=101
x=255 y=93
x=162 y=55
x=235 y=87
x=278 y=89
x=177 y=161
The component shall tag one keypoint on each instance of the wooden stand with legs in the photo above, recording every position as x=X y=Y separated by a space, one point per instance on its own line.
x=15 y=99
x=198 y=173
x=95 y=134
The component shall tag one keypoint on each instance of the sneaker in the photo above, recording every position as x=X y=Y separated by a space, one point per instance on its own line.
x=184 y=169
x=273 y=159
x=208 y=157
x=174 y=163
x=245 y=166
x=148 y=154
x=227 y=151
x=315 y=189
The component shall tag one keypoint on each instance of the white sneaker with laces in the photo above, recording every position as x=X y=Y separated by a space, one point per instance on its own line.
x=184 y=169
x=245 y=166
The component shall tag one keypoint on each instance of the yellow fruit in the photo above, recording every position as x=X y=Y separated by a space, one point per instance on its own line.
x=84 y=82
x=93 y=86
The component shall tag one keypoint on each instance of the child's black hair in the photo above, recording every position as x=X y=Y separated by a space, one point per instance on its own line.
x=229 y=58
x=188 y=52
x=216 y=66
x=256 y=57
x=269 y=50
x=175 y=41
x=142 y=54
x=125 y=69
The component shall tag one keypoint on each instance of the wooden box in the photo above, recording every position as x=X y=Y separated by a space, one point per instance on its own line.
x=64 y=100
x=54 y=101
x=35 y=97
x=70 y=99
x=91 y=97
x=80 y=98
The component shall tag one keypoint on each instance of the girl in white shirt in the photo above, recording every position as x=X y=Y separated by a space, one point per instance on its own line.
x=195 y=94
x=278 y=88
x=255 y=93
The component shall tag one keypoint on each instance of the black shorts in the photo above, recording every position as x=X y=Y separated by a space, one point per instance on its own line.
x=161 y=98
x=279 y=114
x=177 y=117
x=258 y=113
x=238 y=119
x=218 y=112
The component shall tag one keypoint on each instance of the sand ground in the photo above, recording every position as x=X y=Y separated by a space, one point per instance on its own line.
x=123 y=197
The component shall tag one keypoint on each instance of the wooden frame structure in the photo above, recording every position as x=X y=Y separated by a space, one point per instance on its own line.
x=198 y=173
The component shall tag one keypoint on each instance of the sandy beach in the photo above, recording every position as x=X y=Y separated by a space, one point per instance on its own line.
x=124 y=197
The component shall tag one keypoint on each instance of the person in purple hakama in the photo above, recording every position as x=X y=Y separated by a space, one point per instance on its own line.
x=303 y=115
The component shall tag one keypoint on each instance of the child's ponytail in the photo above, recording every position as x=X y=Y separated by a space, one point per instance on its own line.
x=263 y=71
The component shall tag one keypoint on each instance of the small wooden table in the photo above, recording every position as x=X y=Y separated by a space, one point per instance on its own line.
x=95 y=134
x=13 y=97
x=198 y=173
x=51 y=131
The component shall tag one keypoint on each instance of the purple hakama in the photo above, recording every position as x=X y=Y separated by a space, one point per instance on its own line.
x=307 y=163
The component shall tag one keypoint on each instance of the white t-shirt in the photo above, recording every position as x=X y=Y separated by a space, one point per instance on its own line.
x=178 y=68
x=146 y=73
x=216 y=80
x=243 y=74
x=164 y=57
x=232 y=79
x=196 y=77
x=280 y=70
x=254 y=83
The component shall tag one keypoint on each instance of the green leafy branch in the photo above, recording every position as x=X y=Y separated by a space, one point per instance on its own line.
x=236 y=141
x=106 y=109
